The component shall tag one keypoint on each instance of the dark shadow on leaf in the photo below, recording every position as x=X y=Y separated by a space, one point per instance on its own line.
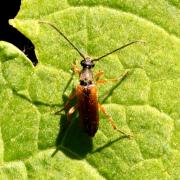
x=77 y=141
x=108 y=144
x=71 y=138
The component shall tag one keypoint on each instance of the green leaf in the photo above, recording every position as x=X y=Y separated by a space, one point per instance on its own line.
x=146 y=104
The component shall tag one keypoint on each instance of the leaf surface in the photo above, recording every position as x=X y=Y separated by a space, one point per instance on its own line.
x=145 y=104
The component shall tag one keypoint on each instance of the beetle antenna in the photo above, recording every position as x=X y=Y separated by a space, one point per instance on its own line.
x=62 y=34
x=122 y=47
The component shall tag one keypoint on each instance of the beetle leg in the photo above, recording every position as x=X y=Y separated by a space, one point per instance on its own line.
x=67 y=104
x=110 y=91
x=98 y=75
x=70 y=112
x=109 y=118
x=75 y=69
x=102 y=81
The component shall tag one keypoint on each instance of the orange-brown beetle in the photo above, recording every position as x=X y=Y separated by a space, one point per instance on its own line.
x=86 y=92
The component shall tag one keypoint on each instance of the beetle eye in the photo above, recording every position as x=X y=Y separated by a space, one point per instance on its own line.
x=82 y=63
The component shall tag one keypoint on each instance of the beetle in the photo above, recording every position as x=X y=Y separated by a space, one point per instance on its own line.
x=86 y=91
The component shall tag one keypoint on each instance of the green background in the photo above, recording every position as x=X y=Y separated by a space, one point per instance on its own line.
x=146 y=104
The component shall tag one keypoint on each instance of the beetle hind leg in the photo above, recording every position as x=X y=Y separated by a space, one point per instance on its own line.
x=109 y=118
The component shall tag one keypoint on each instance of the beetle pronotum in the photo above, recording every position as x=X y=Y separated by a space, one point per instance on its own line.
x=86 y=92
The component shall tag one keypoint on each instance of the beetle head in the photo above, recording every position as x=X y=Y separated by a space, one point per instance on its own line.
x=87 y=63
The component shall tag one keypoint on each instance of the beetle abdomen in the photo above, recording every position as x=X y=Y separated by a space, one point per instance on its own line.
x=88 y=108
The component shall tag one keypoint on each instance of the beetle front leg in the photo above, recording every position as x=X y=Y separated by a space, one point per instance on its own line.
x=75 y=69
x=109 y=118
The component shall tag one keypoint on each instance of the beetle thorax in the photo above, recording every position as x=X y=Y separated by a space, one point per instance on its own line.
x=86 y=77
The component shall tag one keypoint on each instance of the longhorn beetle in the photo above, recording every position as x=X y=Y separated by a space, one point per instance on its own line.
x=86 y=92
